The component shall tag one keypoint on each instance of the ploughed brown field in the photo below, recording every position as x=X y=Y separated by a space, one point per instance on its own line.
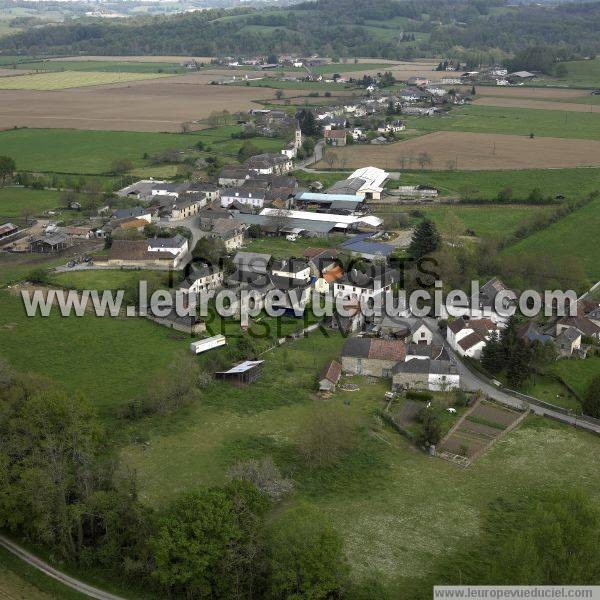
x=539 y=104
x=472 y=151
x=149 y=105
x=402 y=70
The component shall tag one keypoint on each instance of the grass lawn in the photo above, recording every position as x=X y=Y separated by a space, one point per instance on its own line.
x=513 y=121
x=103 y=279
x=575 y=235
x=578 y=373
x=484 y=220
x=69 y=79
x=85 y=152
x=13 y=200
x=552 y=391
x=279 y=247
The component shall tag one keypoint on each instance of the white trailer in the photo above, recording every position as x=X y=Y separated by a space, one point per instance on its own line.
x=208 y=344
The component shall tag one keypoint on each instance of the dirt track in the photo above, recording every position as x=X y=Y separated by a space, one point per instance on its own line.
x=473 y=151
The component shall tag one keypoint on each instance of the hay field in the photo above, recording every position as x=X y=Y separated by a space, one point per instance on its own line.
x=70 y=79
x=402 y=70
x=473 y=151
x=147 y=58
x=147 y=105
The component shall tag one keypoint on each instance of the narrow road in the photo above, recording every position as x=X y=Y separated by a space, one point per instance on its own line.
x=473 y=381
x=45 y=568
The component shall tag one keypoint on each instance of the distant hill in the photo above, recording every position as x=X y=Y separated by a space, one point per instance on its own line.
x=344 y=28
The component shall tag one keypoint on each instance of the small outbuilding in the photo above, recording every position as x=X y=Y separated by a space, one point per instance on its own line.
x=247 y=371
x=330 y=376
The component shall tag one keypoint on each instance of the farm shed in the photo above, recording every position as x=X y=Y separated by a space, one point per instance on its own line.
x=244 y=372
x=53 y=242
x=330 y=376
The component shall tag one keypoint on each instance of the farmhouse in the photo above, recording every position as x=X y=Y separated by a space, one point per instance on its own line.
x=293 y=269
x=231 y=231
x=234 y=176
x=363 y=287
x=269 y=164
x=176 y=246
x=202 y=278
x=242 y=196
x=335 y=137
x=135 y=253
x=137 y=212
x=186 y=206
x=427 y=374
x=469 y=337
x=372 y=356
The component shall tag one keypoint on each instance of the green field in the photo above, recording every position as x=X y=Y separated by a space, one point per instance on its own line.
x=80 y=151
x=575 y=235
x=513 y=121
x=281 y=248
x=14 y=200
x=103 y=66
x=69 y=79
x=109 y=360
x=571 y=183
x=578 y=374
x=580 y=73
x=482 y=220
x=104 y=279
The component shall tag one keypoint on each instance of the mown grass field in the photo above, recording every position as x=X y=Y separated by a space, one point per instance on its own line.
x=80 y=151
x=513 y=121
x=575 y=235
x=109 y=360
x=14 y=200
x=104 y=66
x=70 y=79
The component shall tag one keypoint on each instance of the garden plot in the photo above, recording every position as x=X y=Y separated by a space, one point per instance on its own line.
x=477 y=430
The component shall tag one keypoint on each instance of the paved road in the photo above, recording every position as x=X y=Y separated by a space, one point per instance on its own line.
x=45 y=568
x=473 y=381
